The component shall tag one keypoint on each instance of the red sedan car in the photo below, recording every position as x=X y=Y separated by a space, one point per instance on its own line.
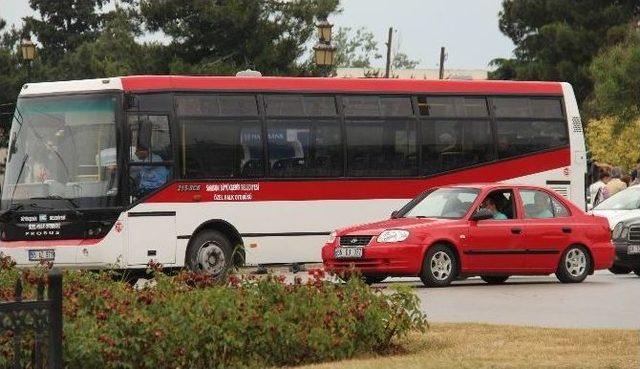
x=488 y=230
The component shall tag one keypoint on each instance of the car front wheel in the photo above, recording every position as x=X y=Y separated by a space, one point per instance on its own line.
x=440 y=266
x=574 y=265
x=617 y=269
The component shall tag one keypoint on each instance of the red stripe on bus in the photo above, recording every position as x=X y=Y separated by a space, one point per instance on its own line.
x=182 y=83
x=354 y=189
x=50 y=243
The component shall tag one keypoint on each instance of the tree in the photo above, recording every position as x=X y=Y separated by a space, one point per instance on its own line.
x=402 y=61
x=557 y=40
x=226 y=36
x=604 y=137
x=63 y=26
x=616 y=76
x=114 y=53
x=355 y=50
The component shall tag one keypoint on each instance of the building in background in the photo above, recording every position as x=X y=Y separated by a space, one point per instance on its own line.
x=459 y=74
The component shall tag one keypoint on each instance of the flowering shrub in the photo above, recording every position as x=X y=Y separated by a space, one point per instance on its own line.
x=192 y=321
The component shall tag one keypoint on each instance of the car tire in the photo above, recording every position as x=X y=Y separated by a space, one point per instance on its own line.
x=495 y=279
x=574 y=265
x=439 y=267
x=637 y=271
x=373 y=279
x=619 y=269
x=210 y=252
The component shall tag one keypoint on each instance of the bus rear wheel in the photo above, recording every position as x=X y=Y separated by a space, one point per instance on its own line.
x=210 y=252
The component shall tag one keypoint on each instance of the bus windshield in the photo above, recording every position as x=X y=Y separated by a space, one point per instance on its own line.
x=62 y=148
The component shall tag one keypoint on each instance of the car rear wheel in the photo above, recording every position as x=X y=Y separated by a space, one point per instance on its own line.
x=210 y=252
x=440 y=266
x=574 y=266
x=494 y=279
x=618 y=269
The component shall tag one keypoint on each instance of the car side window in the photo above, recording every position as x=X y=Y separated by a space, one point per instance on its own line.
x=500 y=203
x=540 y=205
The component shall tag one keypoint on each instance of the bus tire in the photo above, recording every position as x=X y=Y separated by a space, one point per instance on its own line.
x=210 y=252
x=439 y=267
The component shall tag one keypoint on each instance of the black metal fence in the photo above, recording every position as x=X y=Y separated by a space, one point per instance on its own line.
x=40 y=317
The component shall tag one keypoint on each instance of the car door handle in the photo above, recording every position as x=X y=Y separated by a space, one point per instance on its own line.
x=516 y=230
x=566 y=229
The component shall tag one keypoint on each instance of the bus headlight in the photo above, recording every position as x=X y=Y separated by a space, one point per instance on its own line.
x=617 y=231
x=332 y=237
x=393 y=235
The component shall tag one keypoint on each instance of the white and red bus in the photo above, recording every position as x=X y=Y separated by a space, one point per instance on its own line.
x=181 y=170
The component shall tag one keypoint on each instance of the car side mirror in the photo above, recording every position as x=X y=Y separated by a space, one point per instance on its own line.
x=394 y=214
x=482 y=214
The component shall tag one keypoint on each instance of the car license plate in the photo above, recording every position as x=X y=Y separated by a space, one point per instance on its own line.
x=633 y=249
x=348 y=252
x=44 y=254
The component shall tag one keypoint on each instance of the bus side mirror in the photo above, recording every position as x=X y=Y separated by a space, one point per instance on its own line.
x=394 y=214
x=482 y=214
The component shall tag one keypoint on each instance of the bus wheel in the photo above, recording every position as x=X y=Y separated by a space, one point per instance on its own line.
x=210 y=252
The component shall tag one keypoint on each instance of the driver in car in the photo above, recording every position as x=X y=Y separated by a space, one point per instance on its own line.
x=490 y=204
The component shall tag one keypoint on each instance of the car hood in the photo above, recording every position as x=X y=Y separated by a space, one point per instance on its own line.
x=616 y=216
x=374 y=229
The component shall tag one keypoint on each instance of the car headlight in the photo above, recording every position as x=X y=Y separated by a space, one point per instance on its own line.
x=625 y=233
x=393 y=235
x=332 y=237
x=617 y=231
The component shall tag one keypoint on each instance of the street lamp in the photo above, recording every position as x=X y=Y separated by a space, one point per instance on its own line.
x=324 y=30
x=28 y=49
x=324 y=51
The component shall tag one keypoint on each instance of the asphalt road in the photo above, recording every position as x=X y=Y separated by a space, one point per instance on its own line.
x=603 y=300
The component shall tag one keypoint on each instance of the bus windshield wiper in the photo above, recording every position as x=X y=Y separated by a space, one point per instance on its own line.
x=74 y=206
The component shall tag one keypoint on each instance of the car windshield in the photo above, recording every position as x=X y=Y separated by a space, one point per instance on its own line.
x=448 y=203
x=628 y=199
x=63 y=148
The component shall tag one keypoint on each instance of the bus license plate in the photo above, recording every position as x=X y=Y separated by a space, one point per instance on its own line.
x=44 y=254
x=348 y=252
x=633 y=249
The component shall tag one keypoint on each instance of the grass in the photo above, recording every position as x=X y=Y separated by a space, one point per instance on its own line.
x=476 y=346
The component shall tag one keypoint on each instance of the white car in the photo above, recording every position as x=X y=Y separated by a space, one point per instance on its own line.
x=618 y=208
x=621 y=206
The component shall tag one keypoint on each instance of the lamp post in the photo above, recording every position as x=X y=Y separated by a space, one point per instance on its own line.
x=324 y=51
x=28 y=49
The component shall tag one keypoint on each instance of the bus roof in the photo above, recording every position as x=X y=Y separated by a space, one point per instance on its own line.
x=296 y=84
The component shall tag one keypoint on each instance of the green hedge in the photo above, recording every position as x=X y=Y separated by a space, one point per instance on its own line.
x=190 y=321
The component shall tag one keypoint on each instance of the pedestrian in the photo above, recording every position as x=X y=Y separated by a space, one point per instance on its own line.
x=597 y=189
x=616 y=184
x=634 y=172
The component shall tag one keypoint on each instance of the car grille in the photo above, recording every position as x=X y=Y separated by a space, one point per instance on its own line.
x=634 y=234
x=355 y=240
